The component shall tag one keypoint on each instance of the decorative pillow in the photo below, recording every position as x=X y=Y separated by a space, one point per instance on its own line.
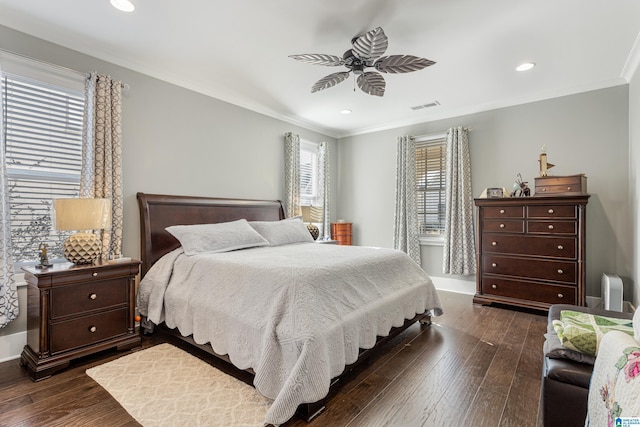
x=215 y=238
x=582 y=332
x=290 y=230
x=615 y=383
x=636 y=325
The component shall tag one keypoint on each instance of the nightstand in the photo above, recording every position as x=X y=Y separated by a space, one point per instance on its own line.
x=77 y=310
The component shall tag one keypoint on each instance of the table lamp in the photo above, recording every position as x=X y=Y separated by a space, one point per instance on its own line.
x=82 y=214
x=312 y=214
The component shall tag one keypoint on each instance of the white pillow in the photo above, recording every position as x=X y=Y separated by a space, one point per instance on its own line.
x=215 y=238
x=283 y=232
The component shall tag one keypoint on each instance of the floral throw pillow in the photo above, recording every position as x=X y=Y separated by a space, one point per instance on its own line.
x=614 y=392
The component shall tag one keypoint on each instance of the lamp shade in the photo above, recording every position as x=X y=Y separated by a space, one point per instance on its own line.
x=311 y=213
x=82 y=214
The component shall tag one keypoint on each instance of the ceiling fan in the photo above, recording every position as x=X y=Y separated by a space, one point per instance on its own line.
x=365 y=53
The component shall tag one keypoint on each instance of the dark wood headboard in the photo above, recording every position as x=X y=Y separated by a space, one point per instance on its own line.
x=159 y=211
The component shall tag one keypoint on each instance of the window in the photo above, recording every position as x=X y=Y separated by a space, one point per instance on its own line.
x=430 y=184
x=308 y=173
x=43 y=124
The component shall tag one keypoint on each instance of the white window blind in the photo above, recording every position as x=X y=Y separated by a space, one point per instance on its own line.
x=308 y=173
x=43 y=125
x=430 y=185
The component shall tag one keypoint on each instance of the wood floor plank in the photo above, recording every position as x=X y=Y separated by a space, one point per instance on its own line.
x=522 y=404
x=486 y=409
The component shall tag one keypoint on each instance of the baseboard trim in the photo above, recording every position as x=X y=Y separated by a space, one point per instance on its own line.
x=596 y=302
x=11 y=346
x=454 y=285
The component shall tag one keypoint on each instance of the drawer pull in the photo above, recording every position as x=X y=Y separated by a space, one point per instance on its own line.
x=494 y=243
x=550 y=227
x=94 y=274
x=92 y=329
x=494 y=265
x=93 y=296
x=501 y=225
x=544 y=189
x=569 y=188
x=501 y=211
x=560 y=271
x=550 y=211
x=494 y=286
x=560 y=296
x=560 y=247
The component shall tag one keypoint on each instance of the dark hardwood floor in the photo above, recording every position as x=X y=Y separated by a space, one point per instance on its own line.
x=476 y=366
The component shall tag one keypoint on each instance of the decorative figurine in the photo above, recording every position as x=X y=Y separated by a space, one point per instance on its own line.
x=520 y=188
x=544 y=165
x=44 y=258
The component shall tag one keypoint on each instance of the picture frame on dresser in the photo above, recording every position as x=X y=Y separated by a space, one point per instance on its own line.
x=531 y=251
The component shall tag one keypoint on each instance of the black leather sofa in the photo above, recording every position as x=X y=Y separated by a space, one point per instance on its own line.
x=566 y=375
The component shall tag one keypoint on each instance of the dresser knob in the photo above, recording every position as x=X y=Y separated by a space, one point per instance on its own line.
x=494 y=243
x=550 y=227
x=560 y=247
x=494 y=286
x=93 y=296
x=544 y=189
x=93 y=329
x=560 y=271
x=494 y=265
x=94 y=274
x=550 y=211
x=501 y=211
x=569 y=188
x=560 y=296
x=501 y=225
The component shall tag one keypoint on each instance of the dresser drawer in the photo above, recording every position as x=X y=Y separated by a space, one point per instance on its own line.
x=86 y=330
x=85 y=297
x=552 y=211
x=555 y=185
x=504 y=226
x=555 y=247
x=551 y=294
x=552 y=227
x=556 y=271
x=503 y=211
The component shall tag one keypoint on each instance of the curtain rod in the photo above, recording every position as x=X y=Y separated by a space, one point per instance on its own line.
x=59 y=67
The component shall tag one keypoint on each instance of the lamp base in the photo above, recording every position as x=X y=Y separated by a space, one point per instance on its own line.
x=82 y=248
x=313 y=229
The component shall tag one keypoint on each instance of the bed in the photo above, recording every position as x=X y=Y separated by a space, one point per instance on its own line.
x=294 y=313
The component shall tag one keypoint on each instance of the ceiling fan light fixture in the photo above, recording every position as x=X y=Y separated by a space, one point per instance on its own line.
x=525 y=66
x=345 y=111
x=123 y=5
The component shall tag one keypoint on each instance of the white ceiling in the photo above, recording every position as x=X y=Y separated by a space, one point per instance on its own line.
x=238 y=50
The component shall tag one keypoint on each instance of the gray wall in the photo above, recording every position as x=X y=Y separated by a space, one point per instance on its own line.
x=634 y=179
x=584 y=133
x=176 y=141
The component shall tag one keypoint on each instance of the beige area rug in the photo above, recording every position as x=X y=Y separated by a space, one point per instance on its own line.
x=165 y=386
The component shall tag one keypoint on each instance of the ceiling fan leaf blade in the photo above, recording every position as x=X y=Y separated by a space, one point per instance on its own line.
x=373 y=44
x=401 y=63
x=330 y=81
x=318 y=59
x=371 y=83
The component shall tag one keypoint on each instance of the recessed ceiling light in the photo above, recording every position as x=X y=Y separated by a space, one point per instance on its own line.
x=123 y=5
x=345 y=111
x=526 y=66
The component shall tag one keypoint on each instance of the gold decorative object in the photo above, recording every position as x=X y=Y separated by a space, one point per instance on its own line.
x=544 y=165
x=82 y=214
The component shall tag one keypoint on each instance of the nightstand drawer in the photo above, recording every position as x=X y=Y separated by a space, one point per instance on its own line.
x=88 y=330
x=77 y=299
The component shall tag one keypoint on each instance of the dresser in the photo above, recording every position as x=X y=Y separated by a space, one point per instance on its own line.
x=77 y=310
x=341 y=232
x=531 y=251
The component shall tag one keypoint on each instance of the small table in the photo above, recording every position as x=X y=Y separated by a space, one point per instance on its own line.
x=77 y=310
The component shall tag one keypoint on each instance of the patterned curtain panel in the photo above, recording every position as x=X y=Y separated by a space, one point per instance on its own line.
x=8 y=290
x=323 y=188
x=405 y=237
x=459 y=253
x=102 y=153
x=292 y=174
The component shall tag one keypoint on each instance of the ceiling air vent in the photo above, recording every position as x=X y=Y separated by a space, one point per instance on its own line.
x=429 y=105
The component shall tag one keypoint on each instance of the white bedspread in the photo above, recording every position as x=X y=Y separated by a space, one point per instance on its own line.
x=296 y=314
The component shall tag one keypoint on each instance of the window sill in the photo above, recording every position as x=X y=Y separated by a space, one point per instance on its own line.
x=431 y=240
